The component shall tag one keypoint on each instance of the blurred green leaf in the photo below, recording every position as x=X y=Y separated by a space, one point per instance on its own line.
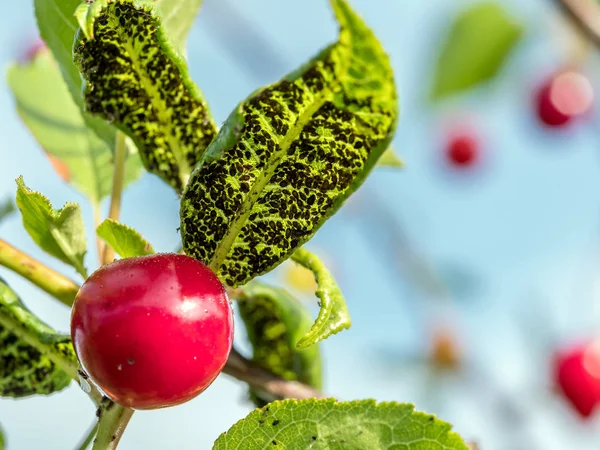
x=478 y=44
x=124 y=240
x=77 y=154
x=7 y=207
x=26 y=349
x=290 y=155
x=329 y=424
x=58 y=25
x=138 y=82
x=275 y=321
x=2 y=439
x=333 y=316
x=390 y=159
x=60 y=233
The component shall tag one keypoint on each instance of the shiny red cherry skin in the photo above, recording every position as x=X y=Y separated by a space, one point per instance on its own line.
x=577 y=375
x=152 y=331
x=562 y=98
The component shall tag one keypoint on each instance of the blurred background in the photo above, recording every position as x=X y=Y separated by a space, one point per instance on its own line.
x=466 y=271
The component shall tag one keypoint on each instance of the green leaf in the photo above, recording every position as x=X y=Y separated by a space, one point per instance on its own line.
x=77 y=154
x=33 y=358
x=7 y=207
x=478 y=44
x=329 y=424
x=124 y=240
x=58 y=25
x=290 y=155
x=275 y=321
x=390 y=159
x=2 y=439
x=135 y=80
x=60 y=233
x=333 y=316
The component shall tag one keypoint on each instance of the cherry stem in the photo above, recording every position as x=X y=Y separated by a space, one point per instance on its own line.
x=89 y=437
x=117 y=189
x=55 y=284
x=585 y=14
x=113 y=419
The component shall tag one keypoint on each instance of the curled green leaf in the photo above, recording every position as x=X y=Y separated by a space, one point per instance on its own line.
x=333 y=316
x=34 y=359
x=289 y=156
x=275 y=321
x=136 y=81
x=329 y=424
x=60 y=233
x=124 y=240
x=390 y=159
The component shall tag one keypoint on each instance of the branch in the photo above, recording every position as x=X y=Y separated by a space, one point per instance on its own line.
x=267 y=383
x=55 y=284
x=586 y=16
x=113 y=419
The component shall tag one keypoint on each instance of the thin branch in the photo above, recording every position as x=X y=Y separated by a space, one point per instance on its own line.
x=117 y=189
x=89 y=437
x=586 y=16
x=55 y=284
x=113 y=419
x=267 y=383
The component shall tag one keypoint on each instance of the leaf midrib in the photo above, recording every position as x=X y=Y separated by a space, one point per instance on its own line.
x=162 y=110
x=264 y=177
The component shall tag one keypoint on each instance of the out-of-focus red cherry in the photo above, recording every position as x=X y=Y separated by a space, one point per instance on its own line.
x=153 y=331
x=462 y=149
x=577 y=375
x=563 y=97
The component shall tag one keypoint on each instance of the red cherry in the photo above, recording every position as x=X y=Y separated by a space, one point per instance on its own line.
x=153 y=331
x=577 y=374
x=463 y=150
x=563 y=97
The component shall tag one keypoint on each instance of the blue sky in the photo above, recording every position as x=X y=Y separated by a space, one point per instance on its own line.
x=526 y=229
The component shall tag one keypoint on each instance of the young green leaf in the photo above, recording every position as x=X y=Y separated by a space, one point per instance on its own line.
x=61 y=233
x=58 y=25
x=7 y=207
x=478 y=44
x=135 y=80
x=290 y=155
x=77 y=154
x=124 y=240
x=333 y=316
x=275 y=321
x=390 y=159
x=326 y=424
x=33 y=358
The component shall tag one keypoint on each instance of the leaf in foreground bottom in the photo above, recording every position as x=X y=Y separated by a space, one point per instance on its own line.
x=329 y=424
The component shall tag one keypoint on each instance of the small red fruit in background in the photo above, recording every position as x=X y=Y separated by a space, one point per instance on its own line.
x=577 y=374
x=563 y=97
x=152 y=331
x=462 y=150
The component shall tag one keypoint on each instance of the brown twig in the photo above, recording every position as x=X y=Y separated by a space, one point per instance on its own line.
x=261 y=380
x=586 y=16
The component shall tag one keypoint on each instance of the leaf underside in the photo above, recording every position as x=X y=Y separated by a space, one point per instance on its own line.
x=275 y=321
x=124 y=240
x=136 y=81
x=24 y=371
x=329 y=424
x=77 y=154
x=60 y=233
x=288 y=156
